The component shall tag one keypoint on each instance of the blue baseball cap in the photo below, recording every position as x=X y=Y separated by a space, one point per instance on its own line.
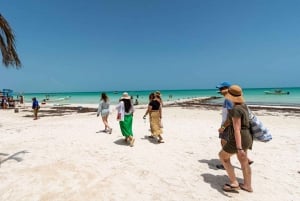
x=223 y=84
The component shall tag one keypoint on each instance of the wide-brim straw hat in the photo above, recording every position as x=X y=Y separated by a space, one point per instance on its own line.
x=158 y=93
x=125 y=96
x=235 y=94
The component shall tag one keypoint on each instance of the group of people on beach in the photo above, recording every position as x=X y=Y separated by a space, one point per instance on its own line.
x=125 y=110
x=234 y=131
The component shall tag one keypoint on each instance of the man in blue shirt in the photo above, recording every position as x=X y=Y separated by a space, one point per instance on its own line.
x=35 y=107
x=227 y=105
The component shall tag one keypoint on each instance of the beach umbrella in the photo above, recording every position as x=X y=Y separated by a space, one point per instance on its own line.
x=7 y=45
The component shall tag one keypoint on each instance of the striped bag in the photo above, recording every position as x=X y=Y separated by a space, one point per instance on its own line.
x=258 y=130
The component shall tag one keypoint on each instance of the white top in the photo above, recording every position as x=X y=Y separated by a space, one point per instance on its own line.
x=103 y=106
x=121 y=109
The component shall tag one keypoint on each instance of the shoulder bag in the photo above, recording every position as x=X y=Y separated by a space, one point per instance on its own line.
x=257 y=129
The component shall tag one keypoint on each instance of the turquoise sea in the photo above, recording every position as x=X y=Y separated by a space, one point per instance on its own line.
x=253 y=96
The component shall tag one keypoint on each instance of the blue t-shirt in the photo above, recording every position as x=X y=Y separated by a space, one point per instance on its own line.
x=227 y=104
x=35 y=104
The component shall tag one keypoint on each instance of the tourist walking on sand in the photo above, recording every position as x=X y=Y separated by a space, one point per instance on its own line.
x=151 y=97
x=35 y=107
x=226 y=107
x=125 y=111
x=159 y=98
x=154 y=111
x=103 y=110
x=239 y=141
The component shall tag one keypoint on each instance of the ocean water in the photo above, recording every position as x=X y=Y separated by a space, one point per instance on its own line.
x=253 y=96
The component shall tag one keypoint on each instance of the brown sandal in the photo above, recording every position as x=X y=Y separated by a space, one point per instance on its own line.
x=132 y=142
x=230 y=188
x=245 y=189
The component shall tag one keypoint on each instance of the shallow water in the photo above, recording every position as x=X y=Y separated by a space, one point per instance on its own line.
x=252 y=96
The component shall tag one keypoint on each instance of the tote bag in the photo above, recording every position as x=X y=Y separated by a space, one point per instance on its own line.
x=258 y=130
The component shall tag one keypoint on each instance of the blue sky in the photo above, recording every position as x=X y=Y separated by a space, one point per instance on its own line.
x=107 y=45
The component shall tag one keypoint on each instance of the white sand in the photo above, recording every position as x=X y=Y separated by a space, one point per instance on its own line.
x=63 y=158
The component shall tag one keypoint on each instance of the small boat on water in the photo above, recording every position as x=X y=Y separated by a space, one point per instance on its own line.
x=48 y=100
x=277 y=92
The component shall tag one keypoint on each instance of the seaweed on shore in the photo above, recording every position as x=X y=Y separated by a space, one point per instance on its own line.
x=62 y=110
x=206 y=104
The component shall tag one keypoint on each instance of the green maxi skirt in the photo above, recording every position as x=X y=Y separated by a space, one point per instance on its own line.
x=126 y=125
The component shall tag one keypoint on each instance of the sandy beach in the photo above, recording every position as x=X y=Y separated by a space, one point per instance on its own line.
x=62 y=157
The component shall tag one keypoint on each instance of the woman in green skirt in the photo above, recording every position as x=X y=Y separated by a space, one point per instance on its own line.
x=125 y=117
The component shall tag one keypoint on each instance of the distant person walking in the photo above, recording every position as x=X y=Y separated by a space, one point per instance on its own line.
x=125 y=111
x=103 y=109
x=35 y=107
x=154 y=111
x=21 y=99
x=4 y=102
x=239 y=141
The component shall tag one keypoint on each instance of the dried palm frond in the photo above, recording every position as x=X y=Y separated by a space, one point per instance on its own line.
x=7 y=45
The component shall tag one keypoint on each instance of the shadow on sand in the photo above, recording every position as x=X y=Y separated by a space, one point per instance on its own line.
x=121 y=142
x=13 y=156
x=217 y=181
x=213 y=162
x=151 y=139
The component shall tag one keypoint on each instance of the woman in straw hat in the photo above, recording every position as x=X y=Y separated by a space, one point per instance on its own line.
x=239 y=141
x=125 y=116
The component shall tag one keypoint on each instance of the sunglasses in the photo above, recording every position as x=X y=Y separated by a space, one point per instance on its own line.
x=222 y=88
